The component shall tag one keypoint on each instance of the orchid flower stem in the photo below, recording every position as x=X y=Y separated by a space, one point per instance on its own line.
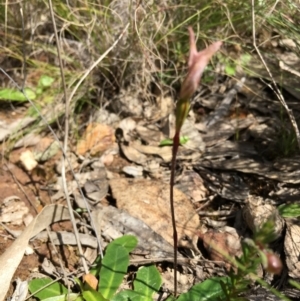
x=172 y=180
x=196 y=65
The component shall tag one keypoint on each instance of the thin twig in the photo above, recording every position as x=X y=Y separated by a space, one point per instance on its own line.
x=24 y=69
x=276 y=90
x=65 y=145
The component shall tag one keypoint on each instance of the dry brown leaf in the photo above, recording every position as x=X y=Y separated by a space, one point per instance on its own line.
x=164 y=152
x=192 y=185
x=96 y=139
x=149 y=201
x=11 y=258
x=256 y=212
x=91 y=280
x=292 y=249
x=112 y=223
x=132 y=154
x=221 y=243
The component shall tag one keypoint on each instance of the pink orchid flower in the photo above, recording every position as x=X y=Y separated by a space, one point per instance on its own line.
x=196 y=65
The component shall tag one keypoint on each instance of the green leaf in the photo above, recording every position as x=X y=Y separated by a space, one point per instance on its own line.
x=245 y=58
x=171 y=298
x=45 y=81
x=147 y=281
x=183 y=140
x=92 y=295
x=129 y=242
x=166 y=142
x=95 y=269
x=289 y=210
x=70 y=297
x=114 y=267
x=16 y=95
x=294 y=284
x=209 y=290
x=53 y=290
x=130 y=295
x=230 y=69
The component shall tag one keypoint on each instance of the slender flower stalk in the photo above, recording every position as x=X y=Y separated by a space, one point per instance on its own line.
x=196 y=65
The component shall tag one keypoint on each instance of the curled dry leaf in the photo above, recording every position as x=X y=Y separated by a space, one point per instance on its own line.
x=149 y=202
x=222 y=243
x=96 y=139
x=132 y=154
x=256 y=212
x=292 y=249
x=127 y=125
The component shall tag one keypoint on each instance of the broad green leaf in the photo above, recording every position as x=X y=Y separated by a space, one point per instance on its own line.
x=127 y=295
x=16 y=95
x=92 y=295
x=113 y=268
x=70 y=297
x=147 y=281
x=45 y=81
x=53 y=290
x=129 y=242
x=209 y=290
x=289 y=210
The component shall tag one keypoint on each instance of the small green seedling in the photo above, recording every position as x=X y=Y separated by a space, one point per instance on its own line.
x=111 y=271
x=10 y=94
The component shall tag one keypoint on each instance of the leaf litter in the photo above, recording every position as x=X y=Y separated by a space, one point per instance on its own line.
x=225 y=150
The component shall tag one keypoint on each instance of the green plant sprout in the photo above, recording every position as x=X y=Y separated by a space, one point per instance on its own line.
x=110 y=271
x=289 y=210
x=109 y=274
x=196 y=65
x=10 y=94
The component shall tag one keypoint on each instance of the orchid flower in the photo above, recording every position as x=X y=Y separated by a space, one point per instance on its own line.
x=196 y=65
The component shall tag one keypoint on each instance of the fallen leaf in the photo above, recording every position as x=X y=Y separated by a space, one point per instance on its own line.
x=257 y=212
x=292 y=249
x=222 y=243
x=149 y=201
x=91 y=280
x=96 y=139
x=11 y=258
